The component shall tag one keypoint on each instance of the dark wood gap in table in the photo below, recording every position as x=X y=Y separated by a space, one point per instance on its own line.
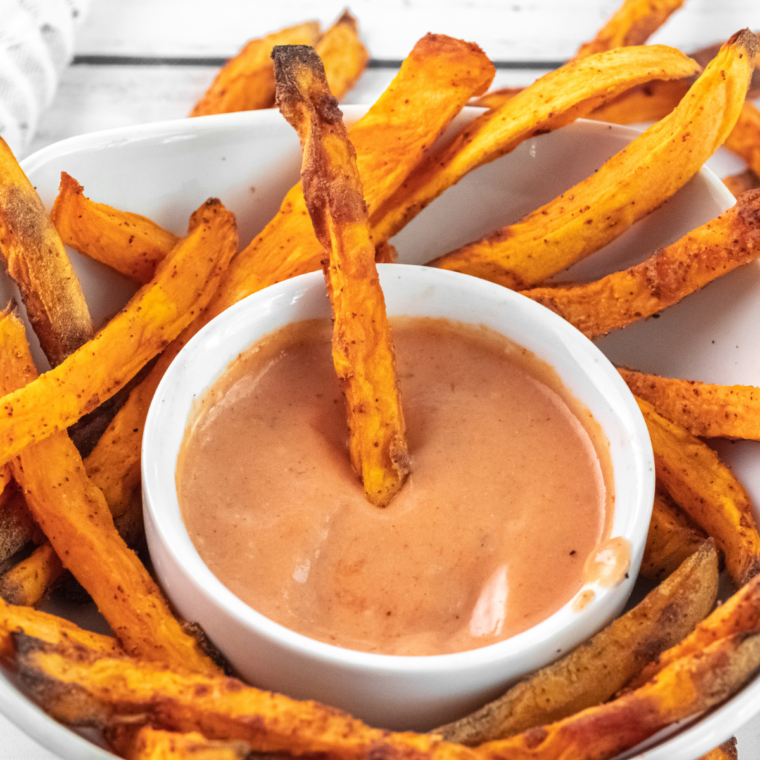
x=374 y=63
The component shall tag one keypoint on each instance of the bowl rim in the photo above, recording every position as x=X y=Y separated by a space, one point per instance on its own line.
x=165 y=516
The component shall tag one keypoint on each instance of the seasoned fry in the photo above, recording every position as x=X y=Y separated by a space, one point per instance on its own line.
x=646 y=102
x=626 y=188
x=17 y=527
x=726 y=751
x=621 y=298
x=343 y=55
x=554 y=100
x=362 y=348
x=435 y=81
x=246 y=82
x=158 y=312
x=704 y=409
x=129 y=243
x=49 y=628
x=146 y=743
x=632 y=24
x=593 y=672
x=27 y=582
x=707 y=491
x=79 y=688
x=83 y=535
x=744 y=139
x=687 y=687
x=37 y=261
x=740 y=183
x=738 y=614
x=672 y=538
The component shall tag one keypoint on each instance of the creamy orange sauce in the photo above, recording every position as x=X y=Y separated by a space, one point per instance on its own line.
x=509 y=492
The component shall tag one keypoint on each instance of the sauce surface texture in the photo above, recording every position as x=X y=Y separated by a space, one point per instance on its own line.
x=509 y=493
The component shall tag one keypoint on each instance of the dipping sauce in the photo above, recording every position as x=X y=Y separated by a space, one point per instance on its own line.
x=510 y=492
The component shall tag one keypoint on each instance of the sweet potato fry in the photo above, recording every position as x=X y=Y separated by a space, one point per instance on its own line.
x=626 y=188
x=740 y=183
x=343 y=55
x=80 y=688
x=738 y=614
x=704 y=409
x=593 y=672
x=17 y=527
x=646 y=102
x=49 y=628
x=146 y=743
x=246 y=82
x=27 y=582
x=554 y=100
x=435 y=81
x=687 y=687
x=671 y=539
x=707 y=491
x=632 y=24
x=362 y=348
x=75 y=518
x=726 y=751
x=744 y=139
x=158 y=312
x=37 y=261
x=129 y=243
x=621 y=298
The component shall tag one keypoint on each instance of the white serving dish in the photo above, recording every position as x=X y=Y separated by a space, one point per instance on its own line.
x=401 y=693
x=249 y=160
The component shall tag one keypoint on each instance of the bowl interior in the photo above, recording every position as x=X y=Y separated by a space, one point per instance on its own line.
x=166 y=170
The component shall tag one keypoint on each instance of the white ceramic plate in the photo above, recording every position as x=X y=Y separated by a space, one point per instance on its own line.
x=249 y=160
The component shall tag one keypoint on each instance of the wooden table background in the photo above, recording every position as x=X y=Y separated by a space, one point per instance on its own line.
x=139 y=61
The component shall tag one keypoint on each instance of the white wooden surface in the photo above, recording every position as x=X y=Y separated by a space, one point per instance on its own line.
x=127 y=72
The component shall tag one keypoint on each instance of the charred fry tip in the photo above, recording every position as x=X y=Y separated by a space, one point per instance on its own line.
x=747 y=39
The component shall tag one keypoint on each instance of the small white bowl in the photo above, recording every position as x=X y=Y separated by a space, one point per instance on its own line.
x=388 y=691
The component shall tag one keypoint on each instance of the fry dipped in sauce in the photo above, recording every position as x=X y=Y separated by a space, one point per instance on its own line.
x=361 y=348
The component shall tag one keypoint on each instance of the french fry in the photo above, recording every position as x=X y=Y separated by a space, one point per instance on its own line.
x=246 y=82
x=80 y=688
x=726 y=751
x=362 y=347
x=129 y=243
x=49 y=628
x=687 y=687
x=37 y=261
x=343 y=55
x=621 y=298
x=626 y=188
x=740 y=613
x=17 y=528
x=706 y=410
x=146 y=743
x=594 y=671
x=744 y=139
x=75 y=518
x=671 y=539
x=435 y=81
x=554 y=100
x=632 y=24
x=740 y=183
x=158 y=312
x=646 y=102
x=26 y=583
x=707 y=491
